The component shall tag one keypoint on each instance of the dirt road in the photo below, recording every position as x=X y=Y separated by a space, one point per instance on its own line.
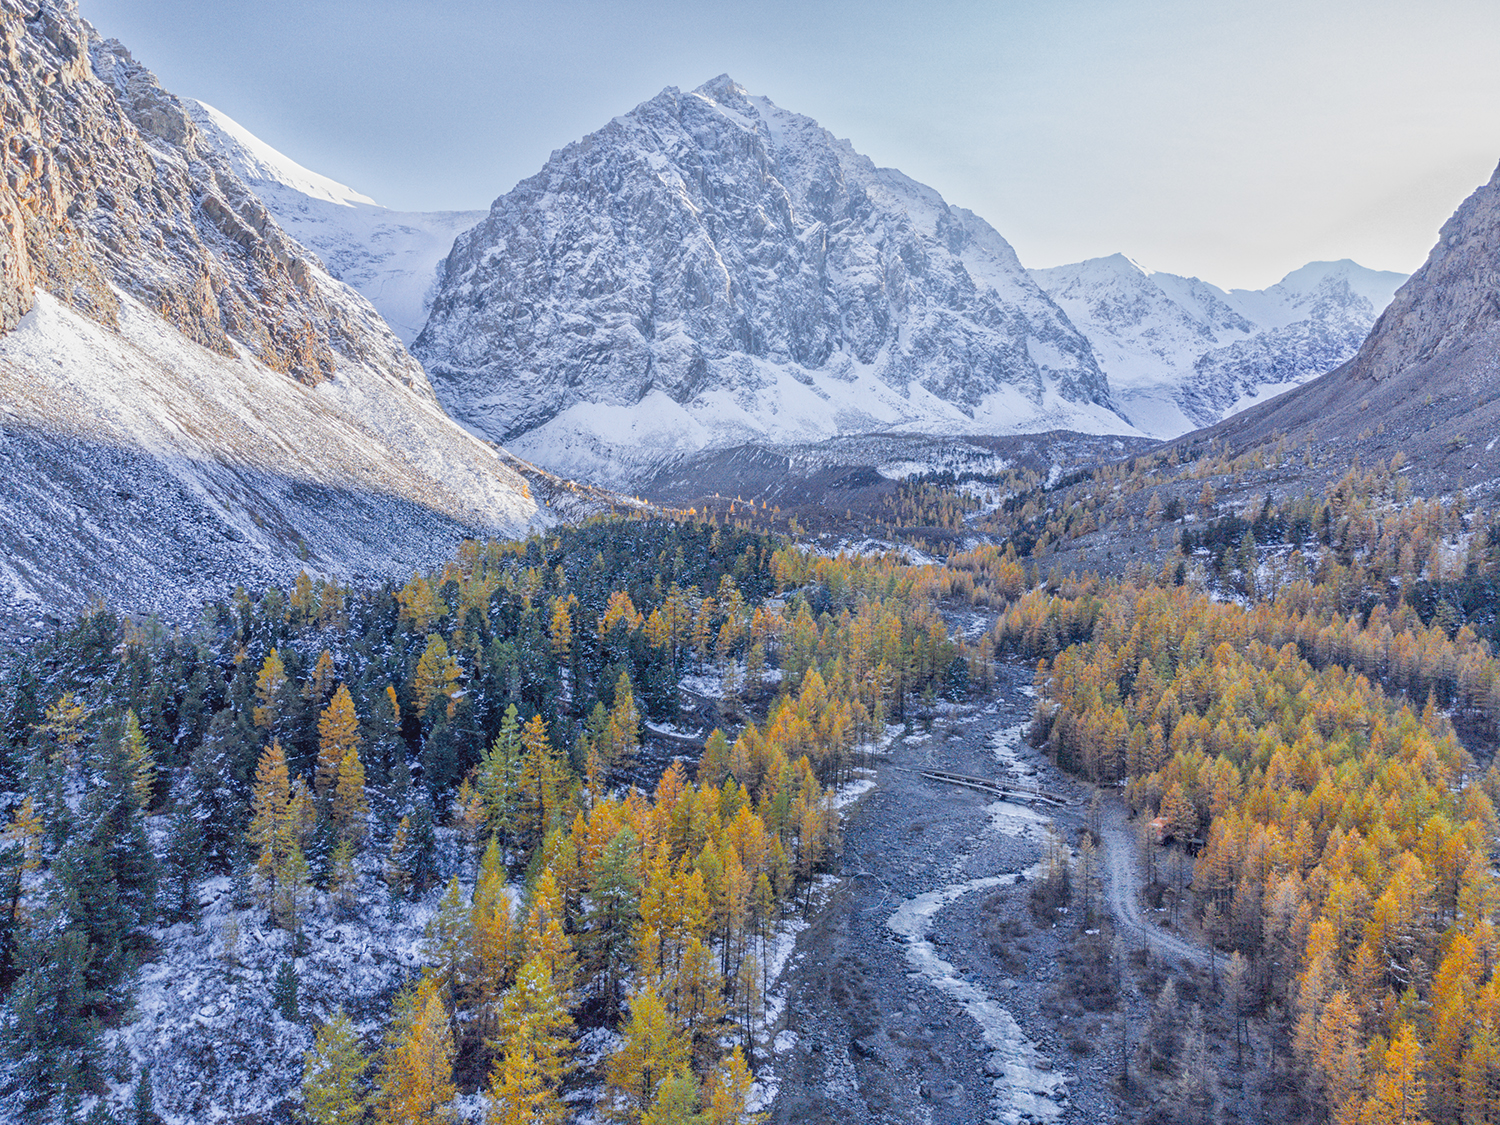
x=1123 y=885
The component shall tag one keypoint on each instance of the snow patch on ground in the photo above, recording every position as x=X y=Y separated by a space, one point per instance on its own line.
x=203 y=1019
x=846 y=795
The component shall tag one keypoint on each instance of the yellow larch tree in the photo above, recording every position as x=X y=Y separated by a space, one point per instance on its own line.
x=437 y=675
x=654 y=1050
x=338 y=733
x=496 y=937
x=561 y=627
x=140 y=761
x=272 y=831
x=1398 y=1091
x=535 y=1048
x=420 y=605
x=333 y=1075
x=415 y=1083
x=270 y=691
x=540 y=784
x=727 y=1091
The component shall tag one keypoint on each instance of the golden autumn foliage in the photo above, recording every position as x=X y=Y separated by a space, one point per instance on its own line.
x=1348 y=842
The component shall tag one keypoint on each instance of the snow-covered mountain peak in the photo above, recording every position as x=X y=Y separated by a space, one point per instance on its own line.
x=723 y=89
x=256 y=162
x=1181 y=353
x=1116 y=264
x=1343 y=280
x=710 y=269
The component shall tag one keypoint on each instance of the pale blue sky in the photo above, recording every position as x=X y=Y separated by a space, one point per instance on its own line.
x=1230 y=140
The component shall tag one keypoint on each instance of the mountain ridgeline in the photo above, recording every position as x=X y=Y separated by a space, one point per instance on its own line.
x=710 y=272
x=189 y=400
x=1180 y=353
x=1424 y=383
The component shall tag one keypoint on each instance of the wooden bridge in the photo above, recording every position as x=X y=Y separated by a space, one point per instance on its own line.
x=988 y=785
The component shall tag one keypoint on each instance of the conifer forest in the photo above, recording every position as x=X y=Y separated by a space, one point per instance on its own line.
x=1292 y=701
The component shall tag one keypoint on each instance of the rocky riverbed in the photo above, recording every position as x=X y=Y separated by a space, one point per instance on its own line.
x=923 y=990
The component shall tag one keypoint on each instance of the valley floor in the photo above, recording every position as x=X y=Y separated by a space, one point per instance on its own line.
x=899 y=1011
x=925 y=989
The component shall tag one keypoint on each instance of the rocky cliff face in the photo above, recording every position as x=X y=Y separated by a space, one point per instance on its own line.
x=189 y=400
x=1426 y=381
x=710 y=268
x=1452 y=300
x=108 y=185
x=390 y=257
x=1181 y=353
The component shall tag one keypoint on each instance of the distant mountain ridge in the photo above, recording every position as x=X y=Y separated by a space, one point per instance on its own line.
x=709 y=269
x=576 y=320
x=1425 y=383
x=1181 y=353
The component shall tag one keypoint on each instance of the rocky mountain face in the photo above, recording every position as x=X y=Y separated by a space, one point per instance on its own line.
x=1180 y=353
x=709 y=269
x=1451 y=303
x=188 y=397
x=391 y=257
x=1426 y=381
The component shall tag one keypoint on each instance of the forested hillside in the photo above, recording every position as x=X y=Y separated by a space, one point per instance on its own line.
x=457 y=748
x=585 y=782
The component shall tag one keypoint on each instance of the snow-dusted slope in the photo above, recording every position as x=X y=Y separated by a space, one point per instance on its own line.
x=391 y=257
x=144 y=467
x=188 y=401
x=709 y=269
x=1181 y=353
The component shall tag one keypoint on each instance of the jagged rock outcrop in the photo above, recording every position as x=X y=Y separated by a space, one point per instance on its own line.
x=108 y=185
x=1181 y=353
x=187 y=399
x=1451 y=301
x=710 y=268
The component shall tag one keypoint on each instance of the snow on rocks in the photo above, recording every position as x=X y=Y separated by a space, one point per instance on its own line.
x=751 y=277
x=1180 y=353
x=203 y=1019
x=390 y=257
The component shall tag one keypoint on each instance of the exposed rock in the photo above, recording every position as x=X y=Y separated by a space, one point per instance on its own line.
x=1425 y=383
x=392 y=257
x=108 y=184
x=1453 y=299
x=189 y=401
x=709 y=269
x=1181 y=353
